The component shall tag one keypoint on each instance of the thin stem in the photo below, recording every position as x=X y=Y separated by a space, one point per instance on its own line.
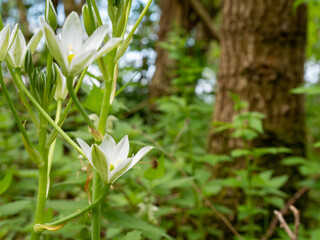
x=64 y=114
x=42 y=184
x=96 y=211
x=43 y=112
x=24 y=100
x=52 y=147
x=77 y=103
x=13 y=109
x=65 y=219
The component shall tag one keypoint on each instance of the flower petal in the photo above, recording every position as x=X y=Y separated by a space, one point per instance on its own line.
x=14 y=33
x=119 y=170
x=61 y=84
x=4 y=42
x=108 y=144
x=100 y=163
x=110 y=45
x=85 y=147
x=54 y=46
x=121 y=151
x=143 y=151
x=95 y=40
x=81 y=61
x=18 y=48
x=71 y=36
x=33 y=43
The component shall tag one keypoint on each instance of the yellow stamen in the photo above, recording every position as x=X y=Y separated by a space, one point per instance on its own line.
x=70 y=57
x=111 y=167
x=71 y=53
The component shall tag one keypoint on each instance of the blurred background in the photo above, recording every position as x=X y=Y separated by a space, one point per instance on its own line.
x=228 y=94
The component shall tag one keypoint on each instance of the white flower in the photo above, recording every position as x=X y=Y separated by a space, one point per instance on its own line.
x=71 y=53
x=18 y=50
x=6 y=40
x=110 y=159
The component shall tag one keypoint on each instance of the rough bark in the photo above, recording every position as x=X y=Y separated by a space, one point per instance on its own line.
x=262 y=58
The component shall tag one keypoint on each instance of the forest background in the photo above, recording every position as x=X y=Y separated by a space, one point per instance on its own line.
x=228 y=94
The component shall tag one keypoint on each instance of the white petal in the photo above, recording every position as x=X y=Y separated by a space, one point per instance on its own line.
x=143 y=151
x=119 y=170
x=54 y=46
x=121 y=151
x=33 y=43
x=14 y=33
x=108 y=144
x=101 y=163
x=110 y=45
x=95 y=40
x=81 y=61
x=4 y=41
x=85 y=147
x=71 y=36
x=17 y=50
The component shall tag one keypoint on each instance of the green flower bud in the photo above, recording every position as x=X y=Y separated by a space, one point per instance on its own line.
x=50 y=14
x=28 y=62
x=88 y=24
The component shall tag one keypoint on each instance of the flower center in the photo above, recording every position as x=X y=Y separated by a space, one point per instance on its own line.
x=71 y=54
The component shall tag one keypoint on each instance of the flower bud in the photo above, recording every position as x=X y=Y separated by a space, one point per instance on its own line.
x=28 y=62
x=88 y=24
x=50 y=14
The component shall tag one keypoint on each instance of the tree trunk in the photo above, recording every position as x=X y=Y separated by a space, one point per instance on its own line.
x=262 y=58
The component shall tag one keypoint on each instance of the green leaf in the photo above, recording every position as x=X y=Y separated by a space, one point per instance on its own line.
x=5 y=182
x=127 y=221
x=94 y=100
x=15 y=207
x=240 y=153
x=157 y=171
x=133 y=235
x=295 y=160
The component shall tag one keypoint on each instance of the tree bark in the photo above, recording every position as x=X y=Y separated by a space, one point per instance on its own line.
x=262 y=59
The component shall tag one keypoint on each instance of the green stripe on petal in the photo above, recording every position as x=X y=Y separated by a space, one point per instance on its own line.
x=100 y=163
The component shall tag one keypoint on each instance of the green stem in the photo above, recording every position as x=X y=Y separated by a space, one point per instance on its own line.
x=13 y=109
x=45 y=115
x=64 y=114
x=65 y=219
x=93 y=27
x=77 y=103
x=42 y=185
x=52 y=146
x=96 y=211
x=25 y=101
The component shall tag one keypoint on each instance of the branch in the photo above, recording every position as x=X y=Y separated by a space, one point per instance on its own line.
x=205 y=17
x=285 y=209
x=283 y=223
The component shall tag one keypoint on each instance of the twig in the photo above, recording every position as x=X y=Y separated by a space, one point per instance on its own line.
x=284 y=225
x=296 y=215
x=205 y=17
x=194 y=186
x=285 y=209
